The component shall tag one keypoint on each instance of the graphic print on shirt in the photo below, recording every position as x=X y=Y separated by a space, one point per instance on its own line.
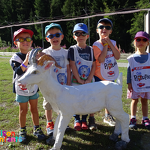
x=84 y=72
x=140 y=75
x=109 y=68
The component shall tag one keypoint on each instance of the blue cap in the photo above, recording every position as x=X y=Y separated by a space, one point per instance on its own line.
x=105 y=20
x=80 y=27
x=52 y=25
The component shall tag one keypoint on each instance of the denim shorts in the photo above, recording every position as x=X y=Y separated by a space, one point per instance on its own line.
x=24 y=99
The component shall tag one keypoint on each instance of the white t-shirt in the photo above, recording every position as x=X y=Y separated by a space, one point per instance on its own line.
x=59 y=55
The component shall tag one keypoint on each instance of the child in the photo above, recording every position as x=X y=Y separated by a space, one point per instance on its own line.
x=19 y=62
x=54 y=35
x=138 y=78
x=106 y=53
x=82 y=63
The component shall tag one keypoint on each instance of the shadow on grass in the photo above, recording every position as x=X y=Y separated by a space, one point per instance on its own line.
x=99 y=139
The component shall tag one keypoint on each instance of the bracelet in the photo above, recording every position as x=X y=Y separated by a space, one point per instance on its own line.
x=24 y=65
x=105 y=44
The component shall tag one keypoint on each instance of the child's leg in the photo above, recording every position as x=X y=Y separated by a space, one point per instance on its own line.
x=109 y=118
x=92 y=125
x=23 y=108
x=35 y=118
x=133 y=107
x=48 y=114
x=145 y=120
x=34 y=111
x=84 y=123
x=77 y=122
x=144 y=107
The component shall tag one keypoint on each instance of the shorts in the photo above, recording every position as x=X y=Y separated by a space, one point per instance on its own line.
x=46 y=105
x=97 y=79
x=24 y=99
x=136 y=95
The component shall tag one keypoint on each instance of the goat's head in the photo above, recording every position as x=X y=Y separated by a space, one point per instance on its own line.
x=40 y=63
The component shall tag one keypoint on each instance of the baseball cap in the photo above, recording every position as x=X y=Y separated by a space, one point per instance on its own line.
x=52 y=25
x=22 y=30
x=142 y=34
x=80 y=27
x=105 y=20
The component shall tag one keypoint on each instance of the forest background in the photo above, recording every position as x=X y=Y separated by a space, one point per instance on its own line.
x=125 y=26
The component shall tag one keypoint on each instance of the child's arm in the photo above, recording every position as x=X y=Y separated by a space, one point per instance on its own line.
x=25 y=62
x=103 y=54
x=129 y=79
x=114 y=48
x=75 y=72
x=90 y=77
x=68 y=75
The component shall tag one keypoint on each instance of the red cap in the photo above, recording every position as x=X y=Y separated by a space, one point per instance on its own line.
x=22 y=30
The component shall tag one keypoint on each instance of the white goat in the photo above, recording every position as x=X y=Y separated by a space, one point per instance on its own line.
x=83 y=99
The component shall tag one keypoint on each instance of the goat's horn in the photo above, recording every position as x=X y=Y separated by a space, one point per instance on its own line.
x=34 y=54
x=30 y=55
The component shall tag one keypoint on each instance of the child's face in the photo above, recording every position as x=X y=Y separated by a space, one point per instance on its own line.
x=24 y=46
x=104 y=32
x=80 y=37
x=55 y=41
x=141 y=43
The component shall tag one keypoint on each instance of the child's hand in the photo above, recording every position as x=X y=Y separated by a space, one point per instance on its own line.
x=87 y=81
x=26 y=59
x=130 y=87
x=107 y=40
x=81 y=81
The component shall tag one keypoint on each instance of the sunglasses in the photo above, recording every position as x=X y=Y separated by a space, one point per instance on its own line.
x=144 y=40
x=28 y=39
x=80 y=33
x=57 y=35
x=106 y=27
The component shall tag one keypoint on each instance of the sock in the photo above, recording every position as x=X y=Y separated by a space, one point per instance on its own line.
x=144 y=117
x=84 y=118
x=133 y=117
x=106 y=115
x=36 y=126
x=23 y=127
x=49 y=121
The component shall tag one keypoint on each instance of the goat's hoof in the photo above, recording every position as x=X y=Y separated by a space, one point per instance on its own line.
x=50 y=141
x=121 y=145
x=114 y=137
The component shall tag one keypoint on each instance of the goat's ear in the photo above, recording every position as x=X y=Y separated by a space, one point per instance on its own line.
x=48 y=65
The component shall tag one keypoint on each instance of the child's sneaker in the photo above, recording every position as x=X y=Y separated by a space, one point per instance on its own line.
x=39 y=134
x=110 y=120
x=22 y=135
x=146 y=123
x=77 y=126
x=92 y=125
x=84 y=126
x=132 y=124
x=50 y=128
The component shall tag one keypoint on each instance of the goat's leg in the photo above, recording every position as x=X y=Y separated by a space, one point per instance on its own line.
x=122 y=124
x=56 y=126
x=62 y=125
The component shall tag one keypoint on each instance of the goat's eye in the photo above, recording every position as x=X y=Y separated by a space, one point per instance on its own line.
x=34 y=72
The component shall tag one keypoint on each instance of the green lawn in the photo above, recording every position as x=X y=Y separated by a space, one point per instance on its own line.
x=81 y=140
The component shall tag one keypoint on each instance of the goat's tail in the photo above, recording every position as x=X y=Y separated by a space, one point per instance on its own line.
x=119 y=79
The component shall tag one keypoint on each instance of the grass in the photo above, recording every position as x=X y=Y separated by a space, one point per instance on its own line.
x=82 y=140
